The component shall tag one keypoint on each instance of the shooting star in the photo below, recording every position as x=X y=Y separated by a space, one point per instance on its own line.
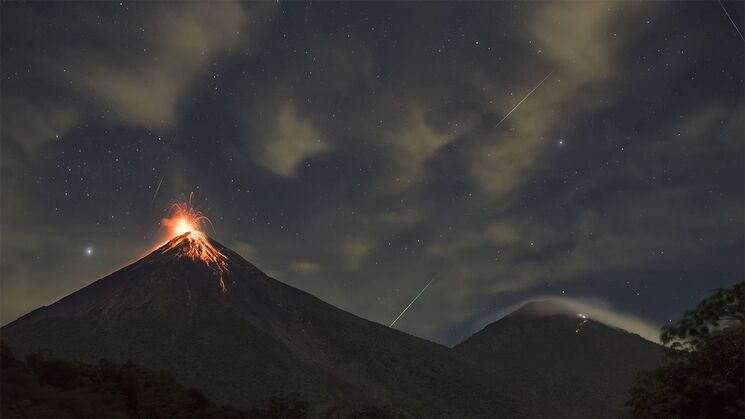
x=156 y=190
x=731 y=21
x=414 y=300
x=523 y=100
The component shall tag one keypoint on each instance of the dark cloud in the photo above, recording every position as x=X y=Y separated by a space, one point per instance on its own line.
x=352 y=150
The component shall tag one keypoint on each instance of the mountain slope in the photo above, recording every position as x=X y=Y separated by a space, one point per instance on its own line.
x=256 y=339
x=565 y=365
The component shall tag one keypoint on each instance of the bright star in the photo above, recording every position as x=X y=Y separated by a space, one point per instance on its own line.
x=89 y=251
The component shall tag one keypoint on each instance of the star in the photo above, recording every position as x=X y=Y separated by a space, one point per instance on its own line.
x=89 y=251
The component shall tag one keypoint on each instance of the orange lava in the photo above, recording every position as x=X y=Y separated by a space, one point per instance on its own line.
x=184 y=219
x=194 y=245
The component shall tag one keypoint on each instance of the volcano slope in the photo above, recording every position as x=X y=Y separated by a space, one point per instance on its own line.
x=255 y=339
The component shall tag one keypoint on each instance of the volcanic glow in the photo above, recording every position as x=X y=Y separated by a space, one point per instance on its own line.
x=184 y=219
x=185 y=223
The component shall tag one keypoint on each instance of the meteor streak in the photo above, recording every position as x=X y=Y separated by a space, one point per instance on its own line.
x=731 y=21
x=523 y=100
x=157 y=189
x=414 y=300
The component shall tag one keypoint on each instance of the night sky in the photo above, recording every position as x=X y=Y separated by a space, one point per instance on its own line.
x=356 y=150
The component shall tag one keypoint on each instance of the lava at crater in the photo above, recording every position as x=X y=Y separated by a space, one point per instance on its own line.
x=184 y=218
x=187 y=240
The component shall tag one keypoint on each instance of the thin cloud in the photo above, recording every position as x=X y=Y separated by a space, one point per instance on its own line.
x=593 y=308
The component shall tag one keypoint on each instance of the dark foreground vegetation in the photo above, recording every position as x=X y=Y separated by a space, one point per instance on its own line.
x=704 y=372
x=39 y=388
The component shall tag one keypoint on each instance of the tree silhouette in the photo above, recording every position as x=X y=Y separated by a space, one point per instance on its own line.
x=704 y=372
x=52 y=388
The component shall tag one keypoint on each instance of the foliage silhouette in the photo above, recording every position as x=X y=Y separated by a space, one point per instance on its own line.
x=704 y=373
x=41 y=388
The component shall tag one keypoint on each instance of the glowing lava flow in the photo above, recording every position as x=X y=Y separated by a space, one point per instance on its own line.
x=192 y=243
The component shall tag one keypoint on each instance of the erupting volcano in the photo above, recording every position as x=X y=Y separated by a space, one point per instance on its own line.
x=257 y=339
x=187 y=240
